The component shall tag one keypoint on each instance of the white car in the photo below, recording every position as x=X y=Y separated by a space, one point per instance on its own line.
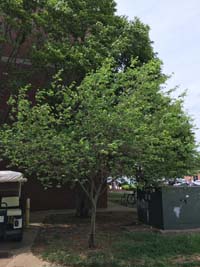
x=197 y=182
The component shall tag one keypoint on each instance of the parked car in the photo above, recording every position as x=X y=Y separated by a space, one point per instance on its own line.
x=109 y=180
x=122 y=182
x=197 y=182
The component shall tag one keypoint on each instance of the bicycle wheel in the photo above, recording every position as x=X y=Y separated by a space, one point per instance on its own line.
x=131 y=199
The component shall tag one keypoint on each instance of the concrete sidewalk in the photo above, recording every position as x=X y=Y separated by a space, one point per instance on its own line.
x=19 y=253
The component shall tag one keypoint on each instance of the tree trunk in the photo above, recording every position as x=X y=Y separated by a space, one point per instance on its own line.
x=82 y=204
x=91 y=240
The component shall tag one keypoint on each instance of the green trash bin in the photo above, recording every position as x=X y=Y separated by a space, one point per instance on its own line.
x=170 y=207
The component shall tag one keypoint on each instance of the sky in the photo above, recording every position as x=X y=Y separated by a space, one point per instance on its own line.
x=175 y=31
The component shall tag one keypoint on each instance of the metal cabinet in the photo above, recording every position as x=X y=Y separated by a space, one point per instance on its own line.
x=170 y=207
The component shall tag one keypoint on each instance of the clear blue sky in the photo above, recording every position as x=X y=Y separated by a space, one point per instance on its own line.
x=175 y=31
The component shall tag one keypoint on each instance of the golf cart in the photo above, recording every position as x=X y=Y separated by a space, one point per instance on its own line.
x=11 y=215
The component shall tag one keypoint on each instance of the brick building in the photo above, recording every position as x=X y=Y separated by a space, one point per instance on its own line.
x=41 y=199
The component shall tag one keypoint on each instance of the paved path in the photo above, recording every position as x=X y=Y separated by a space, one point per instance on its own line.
x=20 y=253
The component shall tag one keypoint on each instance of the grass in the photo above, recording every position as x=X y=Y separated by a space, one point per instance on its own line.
x=142 y=250
x=63 y=241
x=156 y=249
x=115 y=196
x=118 y=198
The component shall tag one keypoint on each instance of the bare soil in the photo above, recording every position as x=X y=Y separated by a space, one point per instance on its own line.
x=75 y=230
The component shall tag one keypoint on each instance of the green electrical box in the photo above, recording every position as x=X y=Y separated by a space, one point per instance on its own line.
x=170 y=207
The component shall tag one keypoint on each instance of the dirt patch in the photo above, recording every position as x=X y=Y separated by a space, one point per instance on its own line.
x=187 y=260
x=72 y=230
x=121 y=241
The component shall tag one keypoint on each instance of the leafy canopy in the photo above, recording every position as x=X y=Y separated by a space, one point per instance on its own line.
x=73 y=35
x=111 y=123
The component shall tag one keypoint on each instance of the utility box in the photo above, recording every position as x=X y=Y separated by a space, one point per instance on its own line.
x=170 y=207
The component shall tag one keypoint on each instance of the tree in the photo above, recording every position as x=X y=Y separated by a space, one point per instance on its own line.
x=111 y=123
x=75 y=36
x=72 y=35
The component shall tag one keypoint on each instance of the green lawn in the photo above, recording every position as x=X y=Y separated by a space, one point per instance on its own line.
x=63 y=241
x=132 y=250
x=115 y=196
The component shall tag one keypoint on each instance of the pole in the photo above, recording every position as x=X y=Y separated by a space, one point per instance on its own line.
x=27 y=212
